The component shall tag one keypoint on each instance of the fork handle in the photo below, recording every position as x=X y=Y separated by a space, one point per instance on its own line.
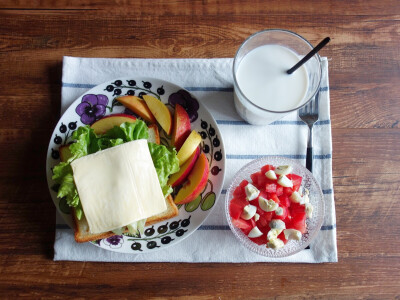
x=309 y=159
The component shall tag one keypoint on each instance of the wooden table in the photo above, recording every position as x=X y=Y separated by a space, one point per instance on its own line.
x=365 y=110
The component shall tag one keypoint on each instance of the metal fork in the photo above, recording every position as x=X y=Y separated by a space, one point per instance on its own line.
x=309 y=115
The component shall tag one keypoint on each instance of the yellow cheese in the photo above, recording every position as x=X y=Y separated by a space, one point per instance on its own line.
x=118 y=186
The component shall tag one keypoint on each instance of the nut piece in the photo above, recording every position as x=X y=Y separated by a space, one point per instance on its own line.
x=275 y=243
x=296 y=197
x=251 y=192
x=292 y=234
x=305 y=199
x=273 y=233
x=279 y=211
x=271 y=175
x=255 y=232
x=284 y=170
x=309 y=210
x=267 y=205
x=248 y=212
x=285 y=182
x=277 y=224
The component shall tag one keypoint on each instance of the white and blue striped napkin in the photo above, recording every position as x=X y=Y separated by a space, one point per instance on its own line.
x=210 y=81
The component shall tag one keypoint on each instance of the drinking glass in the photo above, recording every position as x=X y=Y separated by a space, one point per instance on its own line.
x=247 y=108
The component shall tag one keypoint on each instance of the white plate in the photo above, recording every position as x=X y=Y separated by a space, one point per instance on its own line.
x=101 y=102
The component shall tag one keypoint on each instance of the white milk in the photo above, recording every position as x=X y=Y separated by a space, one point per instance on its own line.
x=262 y=78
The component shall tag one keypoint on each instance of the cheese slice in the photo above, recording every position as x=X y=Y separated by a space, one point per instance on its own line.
x=118 y=186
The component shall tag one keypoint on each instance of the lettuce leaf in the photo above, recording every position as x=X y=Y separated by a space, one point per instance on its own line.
x=87 y=142
x=166 y=163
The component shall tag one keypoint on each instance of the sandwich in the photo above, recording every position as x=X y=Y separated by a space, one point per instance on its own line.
x=117 y=181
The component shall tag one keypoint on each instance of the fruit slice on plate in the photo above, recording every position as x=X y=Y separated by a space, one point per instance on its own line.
x=154 y=135
x=65 y=153
x=138 y=106
x=196 y=181
x=188 y=147
x=108 y=122
x=181 y=127
x=104 y=124
x=161 y=112
x=179 y=177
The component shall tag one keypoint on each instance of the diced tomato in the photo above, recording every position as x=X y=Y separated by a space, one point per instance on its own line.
x=254 y=177
x=275 y=198
x=298 y=222
x=270 y=188
x=268 y=216
x=262 y=222
x=236 y=207
x=262 y=180
x=263 y=194
x=263 y=226
x=244 y=225
x=266 y=168
x=284 y=200
x=239 y=192
x=282 y=237
x=261 y=240
x=287 y=191
x=279 y=190
x=296 y=208
x=296 y=179
x=288 y=219
x=260 y=211
x=284 y=215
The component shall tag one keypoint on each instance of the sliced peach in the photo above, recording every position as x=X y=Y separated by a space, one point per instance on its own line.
x=65 y=153
x=160 y=111
x=188 y=147
x=181 y=127
x=196 y=181
x=154 y=135
x=179 y=177
x=104 y=124
x=138 y=106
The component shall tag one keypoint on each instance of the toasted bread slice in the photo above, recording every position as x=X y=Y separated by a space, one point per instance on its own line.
x=82 y=234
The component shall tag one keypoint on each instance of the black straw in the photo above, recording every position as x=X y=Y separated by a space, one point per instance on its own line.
x=309 y=55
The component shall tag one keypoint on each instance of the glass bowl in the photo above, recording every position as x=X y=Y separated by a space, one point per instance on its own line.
x=316 y=199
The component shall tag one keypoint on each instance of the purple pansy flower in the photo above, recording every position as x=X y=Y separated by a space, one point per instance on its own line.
x=114 y=241
x=92 y=108
x=189 y=103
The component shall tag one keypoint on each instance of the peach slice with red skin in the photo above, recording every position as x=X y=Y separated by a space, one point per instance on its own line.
x=104 y=124
x=196 y=181
x=181 y=127
x=138 y=106
x=108 y=122
x=160 y=111
x=179 y=177
x=188 y=147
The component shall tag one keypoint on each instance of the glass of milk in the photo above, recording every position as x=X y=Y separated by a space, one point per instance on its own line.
x=263 y=91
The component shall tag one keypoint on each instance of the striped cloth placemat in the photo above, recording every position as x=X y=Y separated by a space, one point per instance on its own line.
x=210 y=81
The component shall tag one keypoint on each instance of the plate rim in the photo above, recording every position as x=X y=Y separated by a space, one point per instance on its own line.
x=222 y=175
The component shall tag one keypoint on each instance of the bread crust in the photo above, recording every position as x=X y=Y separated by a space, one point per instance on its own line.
x=81 y=227
x=83 y=235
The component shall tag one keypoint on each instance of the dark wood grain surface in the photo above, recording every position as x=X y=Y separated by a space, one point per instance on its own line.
x=364 y=58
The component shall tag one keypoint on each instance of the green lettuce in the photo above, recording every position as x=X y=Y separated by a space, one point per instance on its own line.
x=87 y=142
x=166 y=163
